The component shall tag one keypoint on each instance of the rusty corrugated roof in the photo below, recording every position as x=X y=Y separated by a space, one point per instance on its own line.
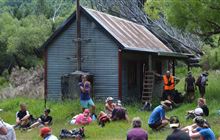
x=131 y=35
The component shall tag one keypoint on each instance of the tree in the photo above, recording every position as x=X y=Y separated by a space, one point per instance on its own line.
x=32 y=32
x=200 y=17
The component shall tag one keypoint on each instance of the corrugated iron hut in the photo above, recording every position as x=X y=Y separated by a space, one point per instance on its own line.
x=119 y=53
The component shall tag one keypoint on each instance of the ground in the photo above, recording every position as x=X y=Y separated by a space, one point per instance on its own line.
x=63 y=111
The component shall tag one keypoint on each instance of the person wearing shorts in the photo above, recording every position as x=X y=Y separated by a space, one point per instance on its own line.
x=85 y=100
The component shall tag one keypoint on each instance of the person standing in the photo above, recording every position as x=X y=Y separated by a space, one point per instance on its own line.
x=158 y=118
x=169 y=85
x=137 y=133
x=177 y=133
x=85 y=99
x=201 y=82
x=190 y=87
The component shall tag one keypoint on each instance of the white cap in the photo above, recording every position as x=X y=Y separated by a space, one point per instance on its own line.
x=109 y=99
x=198 y=111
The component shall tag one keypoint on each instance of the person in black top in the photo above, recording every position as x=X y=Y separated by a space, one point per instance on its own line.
x=202 y=104
x=177 y=134
x=43 y=120
x=22 y=117
x=190 y=87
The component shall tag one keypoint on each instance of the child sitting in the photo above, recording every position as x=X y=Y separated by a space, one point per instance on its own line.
x=82 y=119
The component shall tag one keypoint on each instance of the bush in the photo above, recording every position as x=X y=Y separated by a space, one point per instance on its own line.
x=211 y=59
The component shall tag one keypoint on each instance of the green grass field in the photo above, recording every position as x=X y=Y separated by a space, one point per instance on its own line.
x=63 y=111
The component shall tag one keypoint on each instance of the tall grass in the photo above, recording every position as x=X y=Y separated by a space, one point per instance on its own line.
x=63 y=111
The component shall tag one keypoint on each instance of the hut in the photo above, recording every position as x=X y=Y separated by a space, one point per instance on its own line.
x=122 y=56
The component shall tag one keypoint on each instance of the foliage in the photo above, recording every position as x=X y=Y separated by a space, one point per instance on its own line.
x=198 y=17
x=211 y=59
x=25 y=25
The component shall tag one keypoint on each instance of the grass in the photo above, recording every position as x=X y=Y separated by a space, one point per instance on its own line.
x=63 y=111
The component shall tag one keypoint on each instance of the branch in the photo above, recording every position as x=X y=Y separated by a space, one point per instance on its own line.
x=214 y=7
x=215 y=25
x=56 y=10
x=208 y=34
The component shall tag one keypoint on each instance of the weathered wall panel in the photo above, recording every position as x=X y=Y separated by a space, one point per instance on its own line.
x=61 y=60
x=99 y=57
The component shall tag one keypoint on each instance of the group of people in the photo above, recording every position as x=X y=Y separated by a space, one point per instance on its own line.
x=25 y=121
x=191 y=85
x=114 y=111
x=199 y=129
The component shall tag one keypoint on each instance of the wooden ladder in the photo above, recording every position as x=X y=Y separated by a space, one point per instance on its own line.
x=148 y=85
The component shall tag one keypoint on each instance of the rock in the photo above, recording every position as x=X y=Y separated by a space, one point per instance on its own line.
x=25 y=83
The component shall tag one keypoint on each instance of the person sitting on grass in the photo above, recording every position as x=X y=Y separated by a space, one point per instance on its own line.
x=119 y=112
x=177 y=133
x=82 y=119
x=137 y=133
x=43 y=120
x=46 y=134
x=109 y=106
x=157 y=118
x=6 y=131
x=22 y=117
x=201 y=106
x=200 y=130
x=103 y=118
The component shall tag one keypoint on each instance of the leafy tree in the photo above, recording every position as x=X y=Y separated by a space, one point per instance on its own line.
x=33 y=31
x=200 y=17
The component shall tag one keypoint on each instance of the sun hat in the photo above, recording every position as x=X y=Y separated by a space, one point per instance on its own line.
x=199 y=121
x=174 y=122
x=45 y=131
x=198 y=111
x=109 y=99
x=166 y=103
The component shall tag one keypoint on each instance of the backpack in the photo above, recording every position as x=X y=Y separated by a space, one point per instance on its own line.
x=75 y=133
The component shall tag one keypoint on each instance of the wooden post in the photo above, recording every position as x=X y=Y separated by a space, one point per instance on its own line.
x=174 y=68
x=78 y=35
x=150 y=63
x=45 y=77
x=119 y=74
